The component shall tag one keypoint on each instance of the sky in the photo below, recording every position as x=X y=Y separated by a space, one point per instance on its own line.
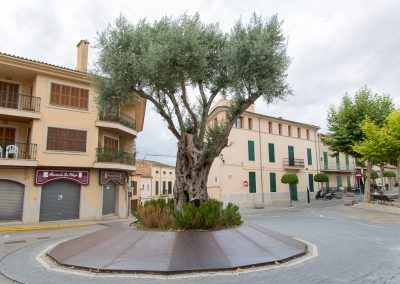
x=335 y=47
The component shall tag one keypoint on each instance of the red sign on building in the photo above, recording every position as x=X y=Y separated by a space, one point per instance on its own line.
x=45 y=176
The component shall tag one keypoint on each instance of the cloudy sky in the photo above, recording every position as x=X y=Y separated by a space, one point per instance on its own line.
x=336 y=46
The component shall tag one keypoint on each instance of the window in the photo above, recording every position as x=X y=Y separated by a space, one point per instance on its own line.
x=280 y=129
x=164 y=172
x=157 y=172
x=250 y=145
x=308 y=134
x=250 y=121
x=111 y=143
x=272 y=182
x=339 y=181
x=238 y=123
x=337 y=162
x=271 y=152
x=298 y=132
x=7 y=134
x=169 y=187
x=67 y=96
x=325 y=160
x=309 y=156
x=164 y=187
x=8 y=95
x=269 y=126
x=61 y=139
x=170 y=173
x=291 y=156
x=289 y=129
x=347 y=162
x=157 y=186
x=252 y=182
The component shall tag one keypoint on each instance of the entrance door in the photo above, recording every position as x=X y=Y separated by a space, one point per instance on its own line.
x=11 y=201
x=109 y=198
x=60 y=201
x=293 y=192
x=9 y=95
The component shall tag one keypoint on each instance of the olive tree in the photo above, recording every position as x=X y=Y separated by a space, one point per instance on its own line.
x=182 y=66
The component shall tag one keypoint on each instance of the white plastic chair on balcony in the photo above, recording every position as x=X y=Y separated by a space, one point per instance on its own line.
x=12 y=149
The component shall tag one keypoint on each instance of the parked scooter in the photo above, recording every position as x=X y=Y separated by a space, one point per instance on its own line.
x=319 y=194
x=325 y=195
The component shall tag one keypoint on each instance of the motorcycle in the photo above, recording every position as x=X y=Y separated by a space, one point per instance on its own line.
x=319 y=194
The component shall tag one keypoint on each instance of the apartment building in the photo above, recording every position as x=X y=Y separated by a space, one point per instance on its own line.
x=60 y=156
x=339 y=168
x=262 y=149
x=154 y=180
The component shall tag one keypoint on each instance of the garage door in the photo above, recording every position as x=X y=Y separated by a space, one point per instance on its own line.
x=109 y=197
x=11 y=201
x=60 y=201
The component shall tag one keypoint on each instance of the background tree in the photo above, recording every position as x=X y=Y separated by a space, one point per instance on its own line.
x=321 y=177
x=381 y=145
x=390 y=175
x=345 y=123
x=166 y=61
x=290 y=178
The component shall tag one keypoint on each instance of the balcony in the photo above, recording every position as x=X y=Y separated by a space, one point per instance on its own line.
x=289 y=163
x=19 y=105
x=114 y=159
x=337 y=168
x=117 y=121
x=18 y=154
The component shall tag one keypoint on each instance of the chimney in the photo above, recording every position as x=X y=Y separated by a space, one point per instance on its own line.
x=82 y=61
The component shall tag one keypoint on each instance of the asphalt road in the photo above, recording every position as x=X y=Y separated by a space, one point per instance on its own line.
x=354 y=246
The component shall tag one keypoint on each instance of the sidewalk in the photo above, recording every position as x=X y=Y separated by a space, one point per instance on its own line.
x=11 y=227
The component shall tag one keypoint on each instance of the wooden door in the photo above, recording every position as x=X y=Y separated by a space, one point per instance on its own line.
x=110 y=143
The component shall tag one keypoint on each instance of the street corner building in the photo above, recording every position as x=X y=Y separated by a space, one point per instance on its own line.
x=61 y=157
x=263 y=148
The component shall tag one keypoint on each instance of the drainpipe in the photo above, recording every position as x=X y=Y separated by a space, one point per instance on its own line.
x=318 y=150
x=261 y=166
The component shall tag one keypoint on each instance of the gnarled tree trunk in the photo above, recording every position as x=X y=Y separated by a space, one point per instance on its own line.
x=192 y=169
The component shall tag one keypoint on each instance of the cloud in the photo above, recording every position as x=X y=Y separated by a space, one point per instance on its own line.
x=336 y=46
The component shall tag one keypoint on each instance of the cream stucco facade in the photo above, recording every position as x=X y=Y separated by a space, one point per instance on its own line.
x=154 y=180
x=262 y=149
x=28 y=114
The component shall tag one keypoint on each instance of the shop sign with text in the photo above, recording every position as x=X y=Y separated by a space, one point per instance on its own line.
x=45 y=176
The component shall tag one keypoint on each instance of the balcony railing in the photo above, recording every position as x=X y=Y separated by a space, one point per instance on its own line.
x=114 y=156
x=293 y=163
x=119 y=117
x=17 y=150
x=337 y=167
x=18 y=101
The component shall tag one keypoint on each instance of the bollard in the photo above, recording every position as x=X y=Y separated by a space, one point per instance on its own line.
x=308 y=195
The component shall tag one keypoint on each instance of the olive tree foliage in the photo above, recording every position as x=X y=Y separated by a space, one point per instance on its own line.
x=321 y=177
x=290 y=178
x=182 y=66
x=345 y=123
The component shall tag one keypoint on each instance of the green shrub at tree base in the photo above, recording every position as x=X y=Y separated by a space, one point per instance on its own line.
x=209 y=215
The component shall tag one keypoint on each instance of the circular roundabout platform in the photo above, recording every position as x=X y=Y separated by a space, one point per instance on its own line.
x=121 y=248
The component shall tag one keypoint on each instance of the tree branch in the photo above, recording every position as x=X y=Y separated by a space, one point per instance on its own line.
x=177 y=110
x=162 y=112
x=206 y=109
x=189 y=109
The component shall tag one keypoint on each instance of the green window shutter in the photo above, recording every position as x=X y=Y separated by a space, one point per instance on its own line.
x=251 y=150
x=272 y=182
x=271 y=152
x=309 y=156
x=325 y=160
x=252 y=182
x=347 y=162
x=293 y=192
x=339 y=181
x=328 y=185
x=291 y=155
x=157 y=187
x=348 y=183
x=311 y=182
x=337 y=162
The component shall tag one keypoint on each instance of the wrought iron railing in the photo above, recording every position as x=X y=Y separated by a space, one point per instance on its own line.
x=293 y=163
x=337 y=167
x=115 y=156
x=18 y=101
x=118 y=117
x=17 y=150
